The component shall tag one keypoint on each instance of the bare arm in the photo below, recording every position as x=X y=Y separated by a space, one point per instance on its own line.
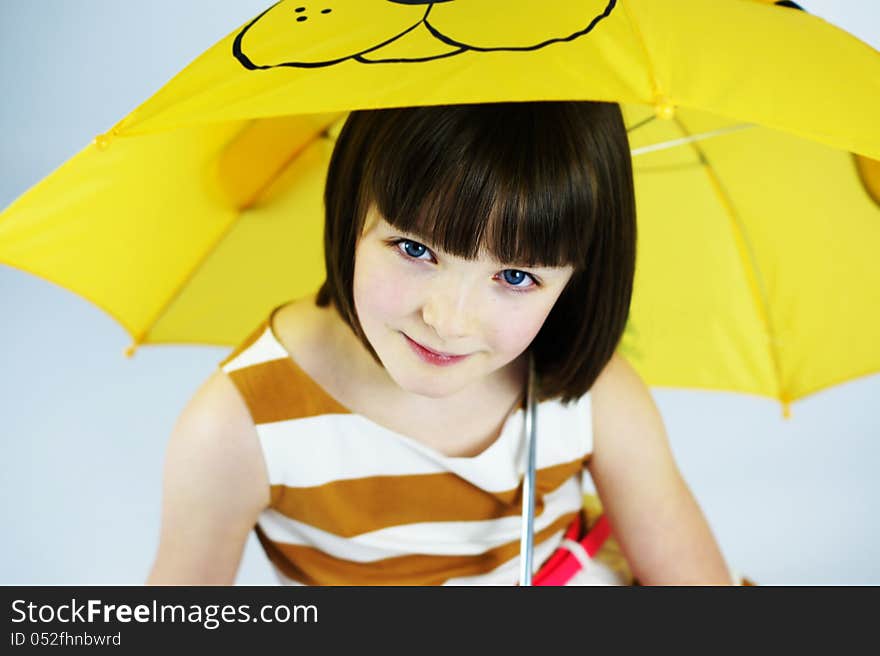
x=214 y=486
x=653 y=514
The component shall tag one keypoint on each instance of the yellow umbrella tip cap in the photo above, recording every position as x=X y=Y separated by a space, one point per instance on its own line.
x=103 y=140
x=664 y=108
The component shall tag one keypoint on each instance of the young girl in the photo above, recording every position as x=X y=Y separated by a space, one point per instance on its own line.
x=372 y=434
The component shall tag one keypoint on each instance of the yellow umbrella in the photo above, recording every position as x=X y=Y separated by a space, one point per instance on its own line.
x=755 y=273
x=757 y=265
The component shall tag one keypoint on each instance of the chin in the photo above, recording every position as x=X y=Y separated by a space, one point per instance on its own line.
x=433 y=389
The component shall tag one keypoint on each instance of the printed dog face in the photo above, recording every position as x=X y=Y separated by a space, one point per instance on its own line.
x=310 y=33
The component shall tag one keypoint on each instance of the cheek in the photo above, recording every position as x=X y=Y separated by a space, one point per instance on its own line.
x=380 y=289
x=511 y=331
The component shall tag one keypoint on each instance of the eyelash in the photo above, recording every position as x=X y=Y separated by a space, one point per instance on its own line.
x=396 y=245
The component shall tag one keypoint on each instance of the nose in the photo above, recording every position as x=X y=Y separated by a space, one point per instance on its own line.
x=450 y=310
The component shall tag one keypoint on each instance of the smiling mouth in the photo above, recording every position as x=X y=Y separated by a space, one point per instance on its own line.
x=430 y=350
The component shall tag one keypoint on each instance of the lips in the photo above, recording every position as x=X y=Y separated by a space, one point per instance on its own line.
x=433 y=357
x=430 y=350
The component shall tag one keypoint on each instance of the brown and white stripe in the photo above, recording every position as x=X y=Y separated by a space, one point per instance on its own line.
x=354 y=503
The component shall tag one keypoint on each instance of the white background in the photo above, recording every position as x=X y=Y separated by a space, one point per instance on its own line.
x=84 y=429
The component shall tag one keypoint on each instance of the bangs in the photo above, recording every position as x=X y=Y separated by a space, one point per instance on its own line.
x=509 y=180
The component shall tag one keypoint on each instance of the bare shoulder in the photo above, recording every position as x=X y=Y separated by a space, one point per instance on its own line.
x=616 y=372
x=214 y=486
x=619 y=385
x=623 y=407
x=217 y=424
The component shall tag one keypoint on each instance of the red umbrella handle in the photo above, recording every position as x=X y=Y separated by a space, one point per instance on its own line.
x=572 y=556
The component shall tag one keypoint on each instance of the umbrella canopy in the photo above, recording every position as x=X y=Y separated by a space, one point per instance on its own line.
x=203 y=208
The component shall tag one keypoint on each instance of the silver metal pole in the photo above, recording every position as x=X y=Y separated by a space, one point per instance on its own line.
x=528 y=509
x=690 y=139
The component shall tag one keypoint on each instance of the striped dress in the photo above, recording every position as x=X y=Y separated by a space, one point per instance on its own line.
x=355 y=503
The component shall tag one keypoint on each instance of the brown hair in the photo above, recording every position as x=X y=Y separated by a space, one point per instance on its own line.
x=537 y=183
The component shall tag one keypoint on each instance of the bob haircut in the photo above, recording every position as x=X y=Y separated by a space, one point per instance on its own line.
x=532 y=183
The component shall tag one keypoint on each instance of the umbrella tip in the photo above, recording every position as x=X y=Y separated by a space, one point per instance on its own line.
x=786 y=409
x=130 y=351
x=102 y=141
x=664 y=108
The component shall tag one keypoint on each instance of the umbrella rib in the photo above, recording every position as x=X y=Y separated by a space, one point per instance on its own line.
x=750 y=264
x=633 y=128
x=692 y=138
x=142 y=335
x=656 y=87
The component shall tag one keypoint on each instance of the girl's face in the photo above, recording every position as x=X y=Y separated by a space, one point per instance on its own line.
x=475 y=316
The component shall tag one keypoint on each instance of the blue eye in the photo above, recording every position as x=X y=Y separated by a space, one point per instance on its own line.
x=413 y=248
x=514 y=278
